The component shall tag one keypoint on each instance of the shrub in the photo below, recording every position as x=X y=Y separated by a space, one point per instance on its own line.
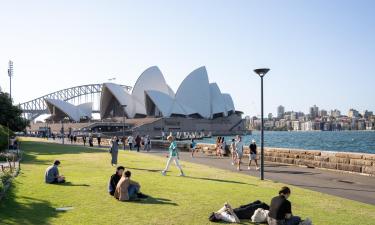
x=4 y=177
x=4 y=137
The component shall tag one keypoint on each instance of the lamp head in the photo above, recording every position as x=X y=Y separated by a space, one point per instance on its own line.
x=261 y=71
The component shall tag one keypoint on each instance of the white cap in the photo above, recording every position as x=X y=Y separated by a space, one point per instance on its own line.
x=253 y=141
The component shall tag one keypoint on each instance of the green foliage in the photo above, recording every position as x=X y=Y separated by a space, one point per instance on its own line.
x=5 y=176
x=175 y=200
x=10 y=115
x=4 y=137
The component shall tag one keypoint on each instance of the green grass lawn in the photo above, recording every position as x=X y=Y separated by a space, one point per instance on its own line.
x=175 y=200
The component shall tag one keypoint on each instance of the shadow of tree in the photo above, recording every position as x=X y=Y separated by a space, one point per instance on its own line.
x=25 y=210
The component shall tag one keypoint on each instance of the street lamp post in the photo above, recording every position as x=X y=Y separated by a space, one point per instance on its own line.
x=10 y=74
x=261 y=72
x=123 y=125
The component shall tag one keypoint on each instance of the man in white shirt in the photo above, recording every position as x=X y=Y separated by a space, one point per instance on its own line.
x=130 y=142
x=239 y=151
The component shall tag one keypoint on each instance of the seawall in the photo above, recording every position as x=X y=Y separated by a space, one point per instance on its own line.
x=361 y=163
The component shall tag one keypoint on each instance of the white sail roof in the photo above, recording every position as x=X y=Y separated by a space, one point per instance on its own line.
x=75 y=113
x=111 y=90
x=194 y=92
x=228 y=102
x=217 y=100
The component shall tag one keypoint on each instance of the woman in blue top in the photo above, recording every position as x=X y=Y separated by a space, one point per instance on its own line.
x=173 y=155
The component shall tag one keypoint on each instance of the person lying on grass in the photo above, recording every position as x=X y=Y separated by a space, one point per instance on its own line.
x=127 y=189
x=230 y=215
x=115 y=178
x=52 y=175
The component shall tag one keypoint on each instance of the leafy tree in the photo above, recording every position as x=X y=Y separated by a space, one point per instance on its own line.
x=10 y=115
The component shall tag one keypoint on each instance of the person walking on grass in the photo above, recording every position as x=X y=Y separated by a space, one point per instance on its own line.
x=173 y=155
x=114 y=150
x=253 y=155
x=239 y=152
x=233 y=151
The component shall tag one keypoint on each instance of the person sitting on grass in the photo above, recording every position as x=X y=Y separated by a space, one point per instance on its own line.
x=127 y=189
x=228 y=214
x=52 y=175
x=115 y=178
x=281 y=210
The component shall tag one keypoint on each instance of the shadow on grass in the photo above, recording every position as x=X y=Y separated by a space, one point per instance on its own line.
x=25 y=210
x=73 y=184
x=43 y=148
x=148 y=170
x=152 y=200
x=219 y=180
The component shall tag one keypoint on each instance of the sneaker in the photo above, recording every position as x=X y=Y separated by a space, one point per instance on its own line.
x=248 y=168
x=163 y=173
x=232 y=163
x=182 y=175
x=257 y=168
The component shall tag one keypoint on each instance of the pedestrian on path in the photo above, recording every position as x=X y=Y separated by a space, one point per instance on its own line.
x=173 y=155
x=138 y=142
x=239 y=152
x=130 y=142
x=84 y=140
x=253 y=155
x=233 y=151
x=99 y=139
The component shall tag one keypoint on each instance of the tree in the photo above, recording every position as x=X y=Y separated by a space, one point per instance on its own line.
x=10 y=115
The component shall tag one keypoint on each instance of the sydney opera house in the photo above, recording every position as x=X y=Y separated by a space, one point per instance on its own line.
x=152 y=105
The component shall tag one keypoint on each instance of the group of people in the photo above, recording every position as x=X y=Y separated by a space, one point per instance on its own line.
x=122 y=187
x=278 y=213
x=237 y=150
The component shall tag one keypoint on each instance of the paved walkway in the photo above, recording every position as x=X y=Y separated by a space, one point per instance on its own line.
x=351 y=186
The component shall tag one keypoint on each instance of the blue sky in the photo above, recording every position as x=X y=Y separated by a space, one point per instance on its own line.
x=319 y=52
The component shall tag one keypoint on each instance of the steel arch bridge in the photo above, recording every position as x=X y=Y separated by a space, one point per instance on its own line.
x=36 y=107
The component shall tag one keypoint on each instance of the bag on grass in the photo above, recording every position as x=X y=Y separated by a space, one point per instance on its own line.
x=260 y=216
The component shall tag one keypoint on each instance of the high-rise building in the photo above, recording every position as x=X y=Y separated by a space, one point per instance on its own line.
x=323 y=113
x=366 y=114
x=270 y=116
x=335 y=113
x=280 y=111
x=314 y=112
x=353 y=113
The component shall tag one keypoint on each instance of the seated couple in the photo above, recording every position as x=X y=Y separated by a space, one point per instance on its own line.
x=123 y=188
x=52 y=175
x=280 y=211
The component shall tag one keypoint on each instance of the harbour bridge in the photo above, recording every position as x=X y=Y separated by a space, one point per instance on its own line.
x=75 y=95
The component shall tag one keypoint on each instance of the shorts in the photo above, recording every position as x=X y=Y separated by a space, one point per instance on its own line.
x=253 y=156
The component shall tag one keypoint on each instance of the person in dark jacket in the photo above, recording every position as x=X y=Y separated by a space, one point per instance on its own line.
x=281 y=210
x=138 y=142
x=115 y=179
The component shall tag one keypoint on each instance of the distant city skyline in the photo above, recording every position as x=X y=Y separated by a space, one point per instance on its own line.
x=319 y=52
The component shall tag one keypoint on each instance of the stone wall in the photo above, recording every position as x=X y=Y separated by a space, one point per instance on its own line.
x=342 y=161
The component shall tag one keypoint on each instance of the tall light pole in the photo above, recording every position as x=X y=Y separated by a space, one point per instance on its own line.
x=10 y=74
x=123 y=125
x=261 y=72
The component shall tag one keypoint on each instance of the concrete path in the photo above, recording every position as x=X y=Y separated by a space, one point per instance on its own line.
x=351 y=186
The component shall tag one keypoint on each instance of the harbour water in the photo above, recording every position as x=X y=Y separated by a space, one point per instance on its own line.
x=344 y=141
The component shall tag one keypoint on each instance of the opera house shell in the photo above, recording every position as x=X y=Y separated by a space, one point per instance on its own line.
x=60 y=110
x=151 y=96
